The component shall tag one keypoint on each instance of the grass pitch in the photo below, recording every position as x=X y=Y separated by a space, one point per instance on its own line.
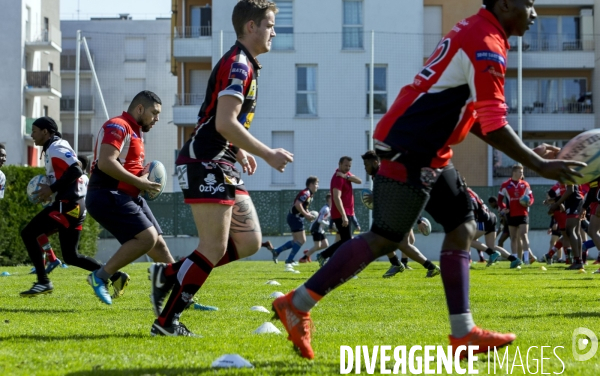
x=70 y=332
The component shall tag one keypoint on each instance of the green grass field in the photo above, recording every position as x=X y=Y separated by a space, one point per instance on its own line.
x=69 y=332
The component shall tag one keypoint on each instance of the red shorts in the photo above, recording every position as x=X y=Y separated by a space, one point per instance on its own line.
x=561 y=220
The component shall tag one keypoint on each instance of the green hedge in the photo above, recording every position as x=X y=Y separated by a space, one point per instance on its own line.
x=16 y=211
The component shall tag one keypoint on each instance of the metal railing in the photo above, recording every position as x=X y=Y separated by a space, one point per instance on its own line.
x=51 y=34
x=193 y=31
x=189 y=99
x=553 y=42
x=86 y=141
x=44 y=79
x=67 y=61
x=86 y=103
x=556 y=108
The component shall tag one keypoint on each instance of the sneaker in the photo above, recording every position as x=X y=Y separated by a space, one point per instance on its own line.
x=575 y=266
x=594 y=263
x=596 y=272
x=393 y=270
x=493 y=258
x=433 y=272
x=304 y=260
x=159 y=286
x=120 y=284
x=483 y=339
x=203 y=307
x=275 y=254
x=292 y=263
x=268 y=245
x=175 y=330
x=32 y=271
x=516 y=263
x=568 y=261
x=321 y=260
x=298 y=324
x=38 y=289
x=546 y=258
x=52 y=265
x=99 y=287
x=406 y=267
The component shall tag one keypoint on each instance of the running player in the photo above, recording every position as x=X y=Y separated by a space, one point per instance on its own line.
x=569 y=196
x=503 y=231
x=295 y=219
x=463 y=77
x=317 y=229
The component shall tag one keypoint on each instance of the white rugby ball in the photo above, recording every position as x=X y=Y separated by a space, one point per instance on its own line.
x=585 y=147
x=156 y=173
x=32 y=188
x=315 y=214
x=427 y=230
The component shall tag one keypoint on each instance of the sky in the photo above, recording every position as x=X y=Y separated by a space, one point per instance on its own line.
x=138 y=9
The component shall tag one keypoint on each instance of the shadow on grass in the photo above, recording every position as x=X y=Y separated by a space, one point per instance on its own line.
x=37 y=310
x=77 y=337
x=574 y=315
x=261 y=367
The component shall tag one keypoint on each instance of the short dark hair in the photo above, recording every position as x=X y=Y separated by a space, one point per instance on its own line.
x=328 y=195
x=370 y=155
x=517 y=166
x=146 y=98
x=345 y=158
x=489 y=4
x=250 y=10
x=492 y=199
x=311 y=179
x=2 y=146
x=84 y=162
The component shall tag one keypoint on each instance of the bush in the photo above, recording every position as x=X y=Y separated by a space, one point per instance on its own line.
x=16 y=211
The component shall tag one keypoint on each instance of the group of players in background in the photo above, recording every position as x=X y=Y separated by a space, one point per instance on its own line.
x=411 y=167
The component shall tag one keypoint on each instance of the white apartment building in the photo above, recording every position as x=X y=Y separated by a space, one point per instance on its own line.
x=129 y=56
x=30 y=75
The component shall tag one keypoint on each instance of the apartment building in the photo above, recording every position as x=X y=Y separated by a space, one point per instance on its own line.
x=129 y=56
x=30 y=74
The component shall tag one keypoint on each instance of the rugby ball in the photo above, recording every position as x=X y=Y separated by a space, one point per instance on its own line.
x=366 y=196
x=156 y=173
x=524 y=201
x=315 y=214
x=427 y=230
x=584 y=147
x=32 y=188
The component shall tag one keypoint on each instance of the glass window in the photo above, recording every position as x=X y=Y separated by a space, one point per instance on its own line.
x=379 y=89
x=549 y=95
x=284 y=26
x=353 y=24
x=570 y=33
x=306 y=90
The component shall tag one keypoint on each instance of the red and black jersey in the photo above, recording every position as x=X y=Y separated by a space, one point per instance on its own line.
x=235 y=74
x=124 y=133
x=481 y=211
x=305 y=197
x=513 y=191
x=461 y=82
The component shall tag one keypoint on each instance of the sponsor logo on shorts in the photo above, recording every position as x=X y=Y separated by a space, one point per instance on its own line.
x=182 y=176
x=210 y=179
x=210 y=186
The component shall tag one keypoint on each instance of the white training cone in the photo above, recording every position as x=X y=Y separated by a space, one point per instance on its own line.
x=295 y=271
x=274 y=283
x=259 y=308
x=231 y=360
x=267 y=328
x=276 y=295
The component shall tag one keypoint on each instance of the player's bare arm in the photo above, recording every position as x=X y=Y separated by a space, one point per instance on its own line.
x=109 y=164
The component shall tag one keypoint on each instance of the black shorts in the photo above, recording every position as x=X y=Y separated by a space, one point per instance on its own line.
x=69 y=215
x=489 y=225
x=317 y=236
x=120 y=214
x=518 y=220
x=403 y=189
x=210 y=182
x=573 y=206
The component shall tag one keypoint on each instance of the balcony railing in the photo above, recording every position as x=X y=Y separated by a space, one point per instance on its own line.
x=86 y=103
x=556 y=108
x=51 y=34
x=189 y=99
x=67 y=61
x=193 y=31
x=44 y=79
x=85 y=141
x=553 y=42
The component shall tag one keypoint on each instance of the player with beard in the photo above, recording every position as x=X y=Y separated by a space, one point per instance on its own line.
x=114 y=199
x=371 y=162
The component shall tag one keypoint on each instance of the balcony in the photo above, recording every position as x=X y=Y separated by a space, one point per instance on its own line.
x=554 y=117
x=67 y=62
x=86 y=141
x=553 y=51
x=42 y=83
x=47 y=40
x=192 y=43
x=86 y=104
x=186 y=107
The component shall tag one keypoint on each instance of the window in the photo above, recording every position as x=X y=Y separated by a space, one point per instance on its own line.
x=45 y=112
x=432 y=28
x=201 y=18
x=306 y=90
x=552 y=33
x=50 y=67
x=352 y=28
x=284 y=26
x=549 y=95
x=379 y=89
x=135 y=49
x=283 y=140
